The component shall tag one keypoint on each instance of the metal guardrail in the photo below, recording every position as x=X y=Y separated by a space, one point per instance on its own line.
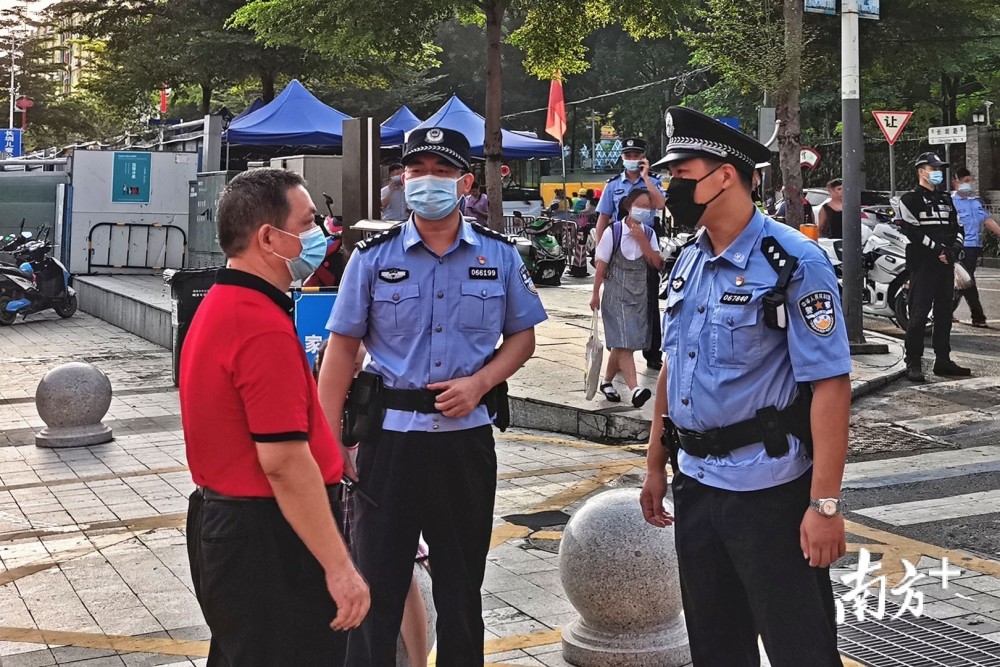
x=147 y=261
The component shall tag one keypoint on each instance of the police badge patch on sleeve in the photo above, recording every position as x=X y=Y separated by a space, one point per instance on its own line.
x=818 y=312
x=526 y=279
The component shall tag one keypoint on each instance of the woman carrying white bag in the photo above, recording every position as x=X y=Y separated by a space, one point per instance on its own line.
x=622 y=254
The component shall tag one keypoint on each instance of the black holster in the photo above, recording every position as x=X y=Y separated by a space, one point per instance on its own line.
x=497 y=404
x=364 y=409
x=671 y=442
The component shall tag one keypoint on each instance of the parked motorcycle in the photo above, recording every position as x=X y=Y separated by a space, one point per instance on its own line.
x=40 y=282
x=886 y=278
x=670 y=250
x=546 y=260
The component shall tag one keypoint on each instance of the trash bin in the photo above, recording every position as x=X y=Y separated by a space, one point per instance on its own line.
x=187 y=288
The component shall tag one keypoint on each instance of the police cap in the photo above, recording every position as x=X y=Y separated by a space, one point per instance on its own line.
x=930 y=159
x=692 y=134
x=634 y=144
x=449 y=144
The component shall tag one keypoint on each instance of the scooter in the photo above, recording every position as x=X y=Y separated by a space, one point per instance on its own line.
x=546 y=260
x=39 y=283
x=670 y=250
x=329 y=272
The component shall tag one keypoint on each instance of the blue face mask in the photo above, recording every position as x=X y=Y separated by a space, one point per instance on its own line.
x=935 y=177
x=631 y=165
x=432 y=197
x=310 y=257
x=642 y=215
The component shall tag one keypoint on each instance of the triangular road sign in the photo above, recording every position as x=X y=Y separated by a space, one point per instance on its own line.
x=892 y=123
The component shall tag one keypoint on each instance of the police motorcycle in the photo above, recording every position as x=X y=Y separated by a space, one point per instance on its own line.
x=545 y=258
x=883 y=261
x=40 y=282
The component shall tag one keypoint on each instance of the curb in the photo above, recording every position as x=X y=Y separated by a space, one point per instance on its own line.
x=622 y=429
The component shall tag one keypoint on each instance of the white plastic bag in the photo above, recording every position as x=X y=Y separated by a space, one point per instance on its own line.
x=593 y=358
x=962 y=277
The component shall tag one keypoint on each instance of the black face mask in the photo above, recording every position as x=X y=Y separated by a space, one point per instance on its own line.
x=680 y=200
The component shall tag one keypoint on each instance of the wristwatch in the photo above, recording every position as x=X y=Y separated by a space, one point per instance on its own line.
x=828 y=507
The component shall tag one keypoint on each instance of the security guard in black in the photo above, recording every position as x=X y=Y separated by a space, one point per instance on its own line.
x=930 y=222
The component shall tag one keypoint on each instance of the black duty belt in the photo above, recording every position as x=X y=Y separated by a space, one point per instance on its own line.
x=771 y=426
x=333 y=490
x=414 y=400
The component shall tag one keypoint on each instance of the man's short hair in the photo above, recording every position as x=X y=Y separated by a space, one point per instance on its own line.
x=254 y=198
x=395 y=166
x=962 y=172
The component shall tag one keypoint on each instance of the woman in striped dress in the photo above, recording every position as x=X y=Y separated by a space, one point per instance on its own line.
x=622 y=254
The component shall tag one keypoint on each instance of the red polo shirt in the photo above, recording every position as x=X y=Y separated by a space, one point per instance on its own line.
x=244 y=378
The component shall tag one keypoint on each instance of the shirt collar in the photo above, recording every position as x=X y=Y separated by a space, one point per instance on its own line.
x=624 y=177
x=411 y=235
x=246 y=280
x=738 y=252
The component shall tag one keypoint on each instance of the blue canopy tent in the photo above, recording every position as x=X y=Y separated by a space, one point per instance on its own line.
x=457 y=115
x=393 y=130
x=256 y=104
x=293 y=118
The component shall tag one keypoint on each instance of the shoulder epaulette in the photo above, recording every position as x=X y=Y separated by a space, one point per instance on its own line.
x=691 y=241
x=492 y=233
x=613 y=178
x=379 y=238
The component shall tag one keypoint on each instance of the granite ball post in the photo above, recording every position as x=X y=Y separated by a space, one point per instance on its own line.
x=620 y=573
x=72 y=399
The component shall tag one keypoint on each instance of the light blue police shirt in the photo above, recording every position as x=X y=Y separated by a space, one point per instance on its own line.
x=426 y=318
x=724 y=363
x=971 y=214
x=616 y=189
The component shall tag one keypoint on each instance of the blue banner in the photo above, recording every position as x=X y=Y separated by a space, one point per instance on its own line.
x=131 y=178
x=312 y=311
x=12 y=142
x=868 y=9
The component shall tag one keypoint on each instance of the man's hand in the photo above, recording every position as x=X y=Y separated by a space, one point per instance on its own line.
x=654 y=490
x=643 y=168
x=350 y=591
x=458 y=397
x=345 y=456
x=822 y=538
x=944 y=258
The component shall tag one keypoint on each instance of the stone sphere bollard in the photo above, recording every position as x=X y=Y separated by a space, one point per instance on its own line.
x=424 y=584
x=620 y=573
x=72 y=399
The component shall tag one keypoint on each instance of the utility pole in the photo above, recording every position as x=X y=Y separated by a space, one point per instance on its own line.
x=13 y=49
x=853 y=154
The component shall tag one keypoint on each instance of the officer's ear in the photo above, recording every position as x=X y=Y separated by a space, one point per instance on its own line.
x=465 y=183
x=266 y=235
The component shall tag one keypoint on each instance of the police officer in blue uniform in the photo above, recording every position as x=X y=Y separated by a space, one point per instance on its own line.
x=636 y=174
x=756 y=396
x=430 y=299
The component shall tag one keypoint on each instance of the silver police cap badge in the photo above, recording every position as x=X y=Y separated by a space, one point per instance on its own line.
x=630 y=143
x=434 y=136
x=670 y=125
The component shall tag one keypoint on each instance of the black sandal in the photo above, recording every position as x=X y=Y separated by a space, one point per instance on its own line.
x=609 y=392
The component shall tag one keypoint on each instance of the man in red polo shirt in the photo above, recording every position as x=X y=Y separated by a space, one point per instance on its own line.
x=270 y=569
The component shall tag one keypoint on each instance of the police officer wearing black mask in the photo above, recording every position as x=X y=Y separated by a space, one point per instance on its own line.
x=930 y=222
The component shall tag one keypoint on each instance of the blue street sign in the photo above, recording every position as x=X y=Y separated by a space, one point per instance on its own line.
x=822 y=6
x=312 y=310
x=12 y=142
x=868 y=9
x=730 y=121
x=131 y=177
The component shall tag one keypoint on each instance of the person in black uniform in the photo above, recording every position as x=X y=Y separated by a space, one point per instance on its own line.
x=930 y=222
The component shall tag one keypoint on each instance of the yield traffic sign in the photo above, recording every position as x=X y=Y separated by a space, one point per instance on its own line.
x=892 y=123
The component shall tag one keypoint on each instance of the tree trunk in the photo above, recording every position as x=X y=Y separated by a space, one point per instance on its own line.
x=266 y=86
x=206 y=99
x=789 y=132
x=493 y=145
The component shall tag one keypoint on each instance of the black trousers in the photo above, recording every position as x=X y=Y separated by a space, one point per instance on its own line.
x=742 y=575
x=262 y=592
x=932 y=285
x=971 y=293
x=441 y=484
x=652 y=353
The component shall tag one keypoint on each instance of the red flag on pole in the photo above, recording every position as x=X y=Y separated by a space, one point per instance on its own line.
x=555 y=122
x=163 y=99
